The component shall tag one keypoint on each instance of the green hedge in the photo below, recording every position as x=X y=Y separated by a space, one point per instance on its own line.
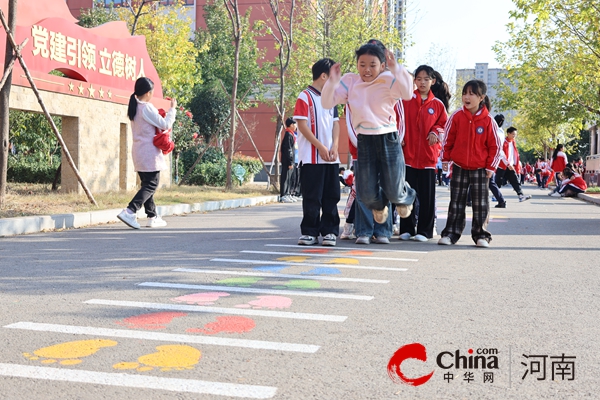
x=31 y=170
x=212 y=171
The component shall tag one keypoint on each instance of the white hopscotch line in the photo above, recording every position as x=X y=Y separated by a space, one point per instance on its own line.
x=352 y=248
x=217 y=288
x=292 y=264
x=326 y=255
x=220 y=310
x=138 y=381
x=165 y=337
x=276 y=275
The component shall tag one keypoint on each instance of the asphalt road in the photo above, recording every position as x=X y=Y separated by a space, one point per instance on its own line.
x=226 y=305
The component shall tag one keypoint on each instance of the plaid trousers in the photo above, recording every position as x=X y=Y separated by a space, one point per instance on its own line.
x=462 y=180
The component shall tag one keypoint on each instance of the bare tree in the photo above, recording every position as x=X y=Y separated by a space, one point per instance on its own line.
x=285 y=40
x=236 y=24
x=9 y=61
x=137 y=9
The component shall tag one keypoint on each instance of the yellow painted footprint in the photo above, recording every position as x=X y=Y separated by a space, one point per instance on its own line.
x=172 y=357
x=69 y=353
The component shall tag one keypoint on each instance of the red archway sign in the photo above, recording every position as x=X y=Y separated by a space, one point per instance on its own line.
x=100 y=63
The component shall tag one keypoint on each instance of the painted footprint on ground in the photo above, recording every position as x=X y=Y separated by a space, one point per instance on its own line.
x=270 y=302
x=151 y=321
x=242 y=282
x=342 y=261
x=322 y=271
x=171 y=357
x=299 y=284
x=269 y=268
x=226 y=325
x=201 y=299
x=69 y=353
x=293 y=258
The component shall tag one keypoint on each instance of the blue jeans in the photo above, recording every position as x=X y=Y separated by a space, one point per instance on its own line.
x=382 y=171
x=364 y=225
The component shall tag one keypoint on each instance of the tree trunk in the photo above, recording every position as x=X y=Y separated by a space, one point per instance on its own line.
x=229 y=184
x=4 y=103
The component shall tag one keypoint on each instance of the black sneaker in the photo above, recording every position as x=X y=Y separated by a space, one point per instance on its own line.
x=500 y=205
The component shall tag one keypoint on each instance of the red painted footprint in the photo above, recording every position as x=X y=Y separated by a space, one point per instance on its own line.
x=152 y=321
x=226 y=325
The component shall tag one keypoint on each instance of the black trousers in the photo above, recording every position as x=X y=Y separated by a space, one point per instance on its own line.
x=422 y=218
x=511 y=177
x=145 y=196
x=285 y=179
x=320 y=197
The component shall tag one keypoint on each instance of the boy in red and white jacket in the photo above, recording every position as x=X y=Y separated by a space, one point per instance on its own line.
x=509 y=166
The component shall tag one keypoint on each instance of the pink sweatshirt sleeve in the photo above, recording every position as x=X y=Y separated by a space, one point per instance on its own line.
x=334 y=94
x=402 y=86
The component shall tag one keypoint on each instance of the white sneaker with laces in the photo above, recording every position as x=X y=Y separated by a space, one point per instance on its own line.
x=307 y=240
x=405 y=236
x=380 y=216
x=482 y=243
x=156 y=222
x=286 y=199
x=524 y=198
x=348 y=232
x=129 y=219
x=445 y=241
x=329 y=240
x=404 y=210
x=555 y=194
x=420 y=238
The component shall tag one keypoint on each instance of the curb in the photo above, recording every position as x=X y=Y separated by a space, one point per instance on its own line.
x=36 y=224
x=588 y=198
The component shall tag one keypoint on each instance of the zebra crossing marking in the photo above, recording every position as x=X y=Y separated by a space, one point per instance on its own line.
x=327 y=255
x=219 y=310
x=165 y=337
x=291 y=264
x=219 y=288
x=392 y=250
x=138 y=381
x=273 y=275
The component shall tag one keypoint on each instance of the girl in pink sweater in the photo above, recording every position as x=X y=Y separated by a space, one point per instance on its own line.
x=371 y=96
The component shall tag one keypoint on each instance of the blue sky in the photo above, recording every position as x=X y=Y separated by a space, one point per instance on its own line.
x=461 y=32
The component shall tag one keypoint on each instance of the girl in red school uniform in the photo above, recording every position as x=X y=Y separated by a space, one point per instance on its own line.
x=473 y=144
x=425 y=116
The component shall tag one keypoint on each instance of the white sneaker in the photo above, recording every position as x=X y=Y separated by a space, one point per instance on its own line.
x=404 y=210
x=555 y=194
x=308 y=240
x=420 y=238
x=380 y=216
x=156 y=222
x=524 y=198
x=482 y=243
x=381 y=240
x=405 y=236
x=363 y=240
x=445 y=241
x=329 y=240
x=129 y=219
x=348 y=232
x=286 y=199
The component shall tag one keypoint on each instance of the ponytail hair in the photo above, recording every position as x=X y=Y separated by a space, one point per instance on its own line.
x=440 y=90
x=142 y=86
x=558 y=148
x=480 y=89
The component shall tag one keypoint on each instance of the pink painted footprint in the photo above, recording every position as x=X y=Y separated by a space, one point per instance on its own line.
x=226 y=325
x=201 y=299
x=270 y=302
x=152 y=321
